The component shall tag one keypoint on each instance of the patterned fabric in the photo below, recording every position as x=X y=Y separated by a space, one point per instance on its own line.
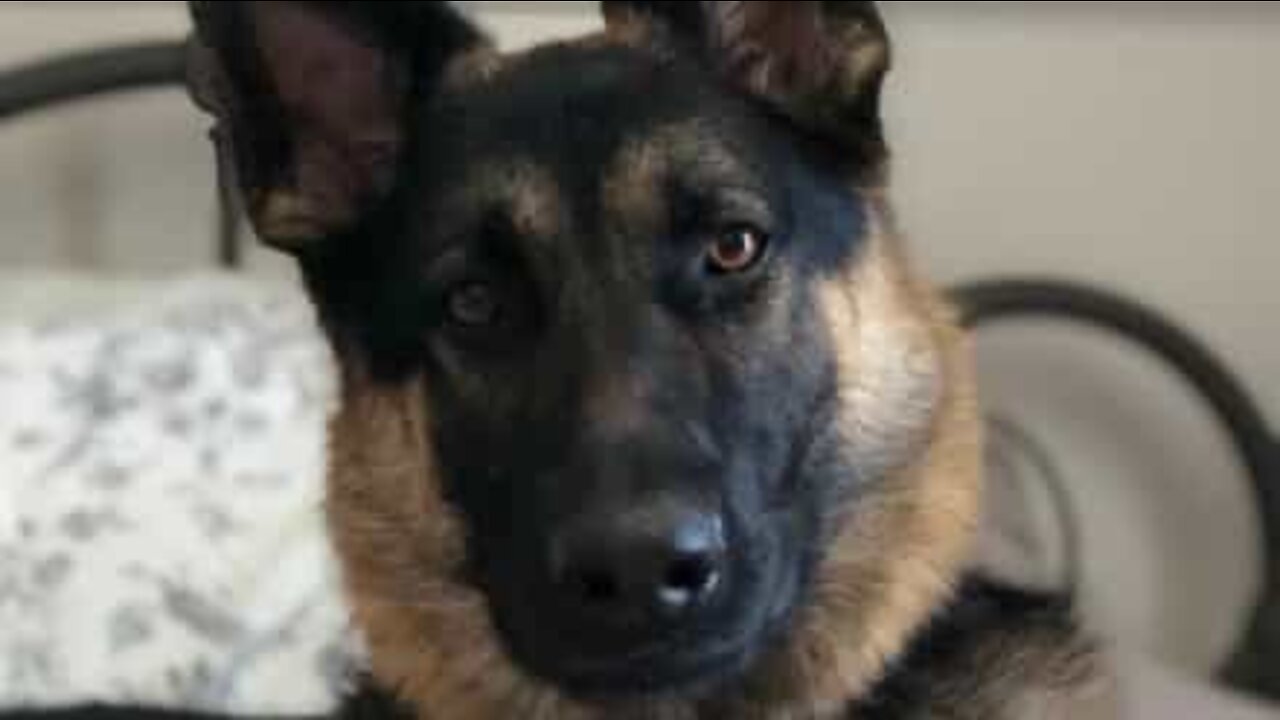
x=160 y=492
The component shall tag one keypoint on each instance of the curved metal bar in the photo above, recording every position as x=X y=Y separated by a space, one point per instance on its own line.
x=46 y=84
x=1253 y=668
x=89 y=73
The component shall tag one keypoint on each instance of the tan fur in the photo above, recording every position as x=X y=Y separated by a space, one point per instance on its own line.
x=401 y=546
x=906 y=378
x=632 y=187
x=867 y=61
x=534 y=197
x=529 y=196
x=287 y=218
x=624 y=25
x=907 y=393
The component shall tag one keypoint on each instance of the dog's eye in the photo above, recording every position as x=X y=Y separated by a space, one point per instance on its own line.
x=736 y=250
x=474 y=305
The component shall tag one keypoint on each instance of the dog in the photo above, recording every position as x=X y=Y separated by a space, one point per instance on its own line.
x=645 y=411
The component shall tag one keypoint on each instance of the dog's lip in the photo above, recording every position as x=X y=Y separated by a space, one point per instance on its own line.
x=660 y=667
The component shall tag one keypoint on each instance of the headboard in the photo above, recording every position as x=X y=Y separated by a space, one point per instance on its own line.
x=84 y=75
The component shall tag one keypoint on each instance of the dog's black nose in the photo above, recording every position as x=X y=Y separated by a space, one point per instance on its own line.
x=641 y=569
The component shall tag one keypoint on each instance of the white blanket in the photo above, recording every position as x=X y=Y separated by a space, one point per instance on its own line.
x=161 y=457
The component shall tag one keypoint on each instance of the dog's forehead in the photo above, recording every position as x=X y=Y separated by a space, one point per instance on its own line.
x=585 y=86
x=586 y=117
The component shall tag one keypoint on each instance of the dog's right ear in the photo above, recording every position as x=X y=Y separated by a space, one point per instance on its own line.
x=819 y=63
x=312 y=99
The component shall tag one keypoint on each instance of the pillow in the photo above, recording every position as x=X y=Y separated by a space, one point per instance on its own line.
x=161 y=466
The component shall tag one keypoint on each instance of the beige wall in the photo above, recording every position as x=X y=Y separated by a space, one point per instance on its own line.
x=120 y=184
x=1131 y=144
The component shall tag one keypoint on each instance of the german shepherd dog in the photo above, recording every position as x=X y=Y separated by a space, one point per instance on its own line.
x=645 y=413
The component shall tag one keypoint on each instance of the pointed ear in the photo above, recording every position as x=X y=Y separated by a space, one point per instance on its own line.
x=821 y=64
x=311 y=101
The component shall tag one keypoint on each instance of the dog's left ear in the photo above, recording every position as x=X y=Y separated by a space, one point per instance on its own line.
x=821 y=64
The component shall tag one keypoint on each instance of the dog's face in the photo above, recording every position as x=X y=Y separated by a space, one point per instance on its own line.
x=603 y=284
x=611 y=304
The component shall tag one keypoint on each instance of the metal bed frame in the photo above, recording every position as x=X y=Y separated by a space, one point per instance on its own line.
x=1256 y=664
x=80 y=76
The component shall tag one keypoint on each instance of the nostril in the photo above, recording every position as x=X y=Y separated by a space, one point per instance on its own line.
x=688 y=583
x=694 y=576
x=598 y=588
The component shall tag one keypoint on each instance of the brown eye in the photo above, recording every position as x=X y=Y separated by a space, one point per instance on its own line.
x=474 y=305
x=736 y=250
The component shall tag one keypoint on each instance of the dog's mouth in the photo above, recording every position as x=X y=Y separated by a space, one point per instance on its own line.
x=670 y=668
x=684 y=664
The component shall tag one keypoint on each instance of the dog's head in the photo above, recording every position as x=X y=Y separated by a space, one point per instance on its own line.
x=639 y=396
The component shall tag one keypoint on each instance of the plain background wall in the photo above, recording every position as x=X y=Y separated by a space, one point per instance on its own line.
x=1127 y=144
